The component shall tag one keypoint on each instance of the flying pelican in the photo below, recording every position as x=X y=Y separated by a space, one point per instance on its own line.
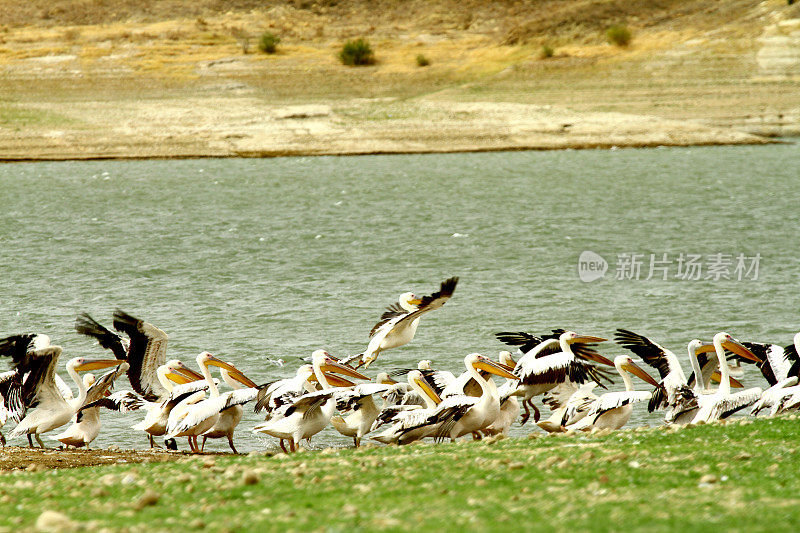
x=399 y=322
x=723 y=403
x=308 y=414
x=458 y=415
x=86 y=426
x=229 y=417
x=612 y=410
x=195 y=416
x=552 y=362
x=46 y=408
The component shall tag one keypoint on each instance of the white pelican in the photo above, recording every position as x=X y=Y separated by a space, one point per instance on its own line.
x=399 y=322
x=145 y=350
x=229 y=417
x=158 y=411
x=86 y=425
x=358 y=410
x=777 y=362
x=509 y=407
x=778 y=398
x=567 y=397
x=276 y=395
x=308 y=414
x=612 y=410
x=723 y=403
x=458 y=415
x=46 y=408
x=407 y=421
x=11 y=405
x=195 y=416
x=552 y=362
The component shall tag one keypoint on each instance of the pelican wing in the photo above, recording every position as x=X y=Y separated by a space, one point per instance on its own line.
x=613 y=400
x=86 y=325
x=18 y=346
x=122 y=401
x=735 y=402
x=390 y=414
x=782 y=360
x=11 y=405
x=433 y=301
x=148 y=351
x=524 y=341
x=392 y=312
x=651 y=353
x=351 y=399
x=103 y=386
x=558 y=368
x=39 y=386
x=210 y=407
x=309 y=403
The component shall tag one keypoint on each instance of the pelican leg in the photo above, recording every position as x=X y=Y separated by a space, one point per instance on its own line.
x=292 y=446
x=203 y=446
x=230 y=443
x=39 y=440
x=526 y=415
x=3 y=439
x=30 y=441
x=355 y=441
x=536 y=414
x=152 y=441
x=283 y=447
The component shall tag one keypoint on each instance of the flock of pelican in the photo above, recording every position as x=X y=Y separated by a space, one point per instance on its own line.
x=562 y=368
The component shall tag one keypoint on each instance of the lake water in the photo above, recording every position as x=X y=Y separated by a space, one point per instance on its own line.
x=260 y=259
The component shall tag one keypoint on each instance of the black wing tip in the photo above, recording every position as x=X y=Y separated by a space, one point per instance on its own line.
x=449 y=286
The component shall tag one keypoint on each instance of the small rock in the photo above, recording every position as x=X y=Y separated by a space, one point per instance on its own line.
x=708 y=479
x=550 y=461
x=147 y=499
x=36 y=467
x=113 y=448
x=55 y=522
x=249 y=478
x=516 y=466
x=130 y=479
x=744 y=456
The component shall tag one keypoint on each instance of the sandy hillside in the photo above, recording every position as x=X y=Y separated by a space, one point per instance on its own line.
x=171 y=78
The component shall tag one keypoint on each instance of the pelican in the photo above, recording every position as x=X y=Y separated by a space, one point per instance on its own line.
x=194 y=416
x=552 y=362
x=399 y=322
x=567 y=397
x=46 y=408
x=509 y=407
x=157 y=412
x=458 y=415
x=778 y=398
x=777 y=362
x=407 y=421
x=86 y=426
x=723 y=403
x=11 y=405
x=612 y=410
x=144 y=350
x=308 y=414
x=229 y=417
x=359 y=406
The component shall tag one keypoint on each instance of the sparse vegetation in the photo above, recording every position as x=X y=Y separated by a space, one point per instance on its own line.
x=660 y=479
x=546 y=52
x=268 y=43
x=422 y=61
x=357 y=52
x=242 y=37
x=619 y=35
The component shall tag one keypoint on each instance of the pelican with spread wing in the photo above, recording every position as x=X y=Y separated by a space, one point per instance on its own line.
x=399 y=322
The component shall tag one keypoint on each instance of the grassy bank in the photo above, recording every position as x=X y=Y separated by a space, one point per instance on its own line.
x=740 y=476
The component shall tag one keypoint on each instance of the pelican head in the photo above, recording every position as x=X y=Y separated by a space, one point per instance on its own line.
x=327 y=363
x=415 y=377
x=206 y=359
x=506 y=359
x=176 y=366
x=424 y=364
x=409 y=301
x=81 y=364
x=729 y=343
x=481 y=362
x=384 y=379
x=626 y=363
x=570 y=337
x=88 y=380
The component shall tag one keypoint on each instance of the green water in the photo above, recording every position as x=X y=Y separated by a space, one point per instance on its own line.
x=263 y=259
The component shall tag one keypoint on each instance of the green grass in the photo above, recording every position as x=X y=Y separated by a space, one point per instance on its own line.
x=643 y=480
x=14 y=116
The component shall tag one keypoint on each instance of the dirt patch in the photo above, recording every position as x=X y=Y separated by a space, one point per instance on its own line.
x=35 y=459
